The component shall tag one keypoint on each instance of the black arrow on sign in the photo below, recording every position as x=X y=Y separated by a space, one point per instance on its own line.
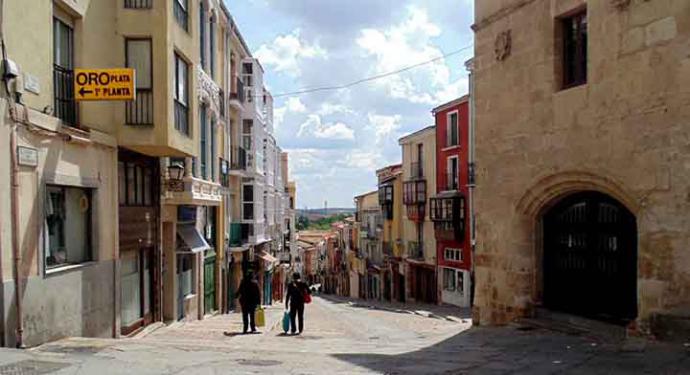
x=82 y=91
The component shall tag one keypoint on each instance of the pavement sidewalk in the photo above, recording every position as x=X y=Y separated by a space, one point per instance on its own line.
x=447 y=312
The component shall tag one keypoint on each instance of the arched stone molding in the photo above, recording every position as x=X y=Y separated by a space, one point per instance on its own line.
x=548 y=190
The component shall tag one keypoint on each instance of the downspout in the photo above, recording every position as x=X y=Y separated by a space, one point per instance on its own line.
x=469 y=65
x=14 y=200
x=16 y=254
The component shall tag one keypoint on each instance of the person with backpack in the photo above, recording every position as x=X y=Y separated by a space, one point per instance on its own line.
x=297 y=295
x=250 y=296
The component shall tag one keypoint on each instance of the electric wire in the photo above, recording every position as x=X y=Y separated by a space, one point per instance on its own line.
x=372 y=78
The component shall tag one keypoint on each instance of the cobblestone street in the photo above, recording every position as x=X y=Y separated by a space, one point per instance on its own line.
x=346 y=337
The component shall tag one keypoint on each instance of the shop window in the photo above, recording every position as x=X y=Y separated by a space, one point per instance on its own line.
x=185 y=274
x=68 y=226
x=449 y=279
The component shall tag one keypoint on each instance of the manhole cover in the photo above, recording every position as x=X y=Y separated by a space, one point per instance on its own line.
x=31 y=367
x=258 y=362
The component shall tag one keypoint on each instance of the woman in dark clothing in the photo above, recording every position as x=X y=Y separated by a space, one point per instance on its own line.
x=295 y=301
x=249 y=295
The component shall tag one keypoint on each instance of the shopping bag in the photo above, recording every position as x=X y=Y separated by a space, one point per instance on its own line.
x=286 y=321
x=260 y=317
x=307 y=297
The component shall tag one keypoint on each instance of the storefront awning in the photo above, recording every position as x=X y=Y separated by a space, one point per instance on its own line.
x=268 y=257
x=192 y=239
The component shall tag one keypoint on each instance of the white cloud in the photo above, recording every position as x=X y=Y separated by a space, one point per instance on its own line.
x=328 y=108
x=334 y=131
x=287 y=52
x=384 y=126
x=404 y=44
x=294 y=104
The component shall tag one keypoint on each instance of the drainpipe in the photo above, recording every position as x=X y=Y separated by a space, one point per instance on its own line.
x=469 y=65
x=14 y=198
x=16 y=254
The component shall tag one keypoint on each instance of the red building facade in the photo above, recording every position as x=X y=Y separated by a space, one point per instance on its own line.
x=449 y=207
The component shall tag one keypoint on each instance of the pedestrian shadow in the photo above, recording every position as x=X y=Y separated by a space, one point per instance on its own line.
x=233 y=334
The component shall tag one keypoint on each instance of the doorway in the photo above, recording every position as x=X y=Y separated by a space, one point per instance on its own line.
x=590 y=258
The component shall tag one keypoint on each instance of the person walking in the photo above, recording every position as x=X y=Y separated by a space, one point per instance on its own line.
x=249 y=295
x=297 y=290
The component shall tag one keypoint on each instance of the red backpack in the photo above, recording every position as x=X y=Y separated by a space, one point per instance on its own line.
x=307 y=295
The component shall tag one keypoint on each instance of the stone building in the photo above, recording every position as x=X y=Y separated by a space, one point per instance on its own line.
x=583 y=159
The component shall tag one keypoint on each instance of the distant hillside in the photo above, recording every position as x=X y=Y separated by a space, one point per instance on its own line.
x=320 y=218
x=325 y=212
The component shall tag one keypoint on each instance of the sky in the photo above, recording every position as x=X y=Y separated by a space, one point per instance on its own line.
x=336 y=140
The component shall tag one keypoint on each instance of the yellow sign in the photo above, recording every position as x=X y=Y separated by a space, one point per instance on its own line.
x=104 y=84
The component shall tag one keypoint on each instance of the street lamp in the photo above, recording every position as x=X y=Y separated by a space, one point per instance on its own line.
x=175 y=174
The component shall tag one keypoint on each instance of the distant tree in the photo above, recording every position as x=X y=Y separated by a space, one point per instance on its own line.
x=303 y=222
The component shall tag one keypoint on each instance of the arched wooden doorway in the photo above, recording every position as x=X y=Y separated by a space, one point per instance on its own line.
x=590 y=258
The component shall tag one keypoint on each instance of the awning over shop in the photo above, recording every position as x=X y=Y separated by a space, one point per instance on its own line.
x=268 y=257
x=238 y=249
x=192 y=239
x=270 y=260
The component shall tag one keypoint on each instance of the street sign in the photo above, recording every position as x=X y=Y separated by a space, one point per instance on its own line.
x=104 y=84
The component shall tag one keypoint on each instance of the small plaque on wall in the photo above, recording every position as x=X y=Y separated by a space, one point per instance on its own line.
x=27 y=156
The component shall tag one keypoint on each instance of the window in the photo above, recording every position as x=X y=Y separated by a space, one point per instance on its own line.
x=181 y=13
x=202 y=142
x=452 y=138
x=138 y=4
x=452 y=177
x=574 y=29
x=181 y=96
x=185 y=274
x=449 y=279
x=63 y=73
x=247 y=71
x=453 y=255
x=248 y=202
x=212 y=139
x=202 y=34
x=212 y=47
x=68 y=226
x=135 y=184
x=138 y=57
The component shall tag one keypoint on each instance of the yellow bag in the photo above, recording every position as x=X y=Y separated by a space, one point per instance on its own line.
x=260 y=317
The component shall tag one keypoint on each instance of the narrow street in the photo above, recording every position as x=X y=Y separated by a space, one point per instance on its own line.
x=342 y=337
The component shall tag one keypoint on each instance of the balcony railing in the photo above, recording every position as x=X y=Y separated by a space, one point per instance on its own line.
x=140 y=110
x=416 y=212
x=240 y=234
x=65 y=105
x=450 y=181
x=238 y=93
x=138 y=4
x=238 y=156
x=416 y=170
x=414 y=192
x=224 y=176
x=415 y=250
x=387 y=248
x=221 y=102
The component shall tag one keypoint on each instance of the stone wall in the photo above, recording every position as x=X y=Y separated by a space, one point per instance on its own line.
x=624 y=133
